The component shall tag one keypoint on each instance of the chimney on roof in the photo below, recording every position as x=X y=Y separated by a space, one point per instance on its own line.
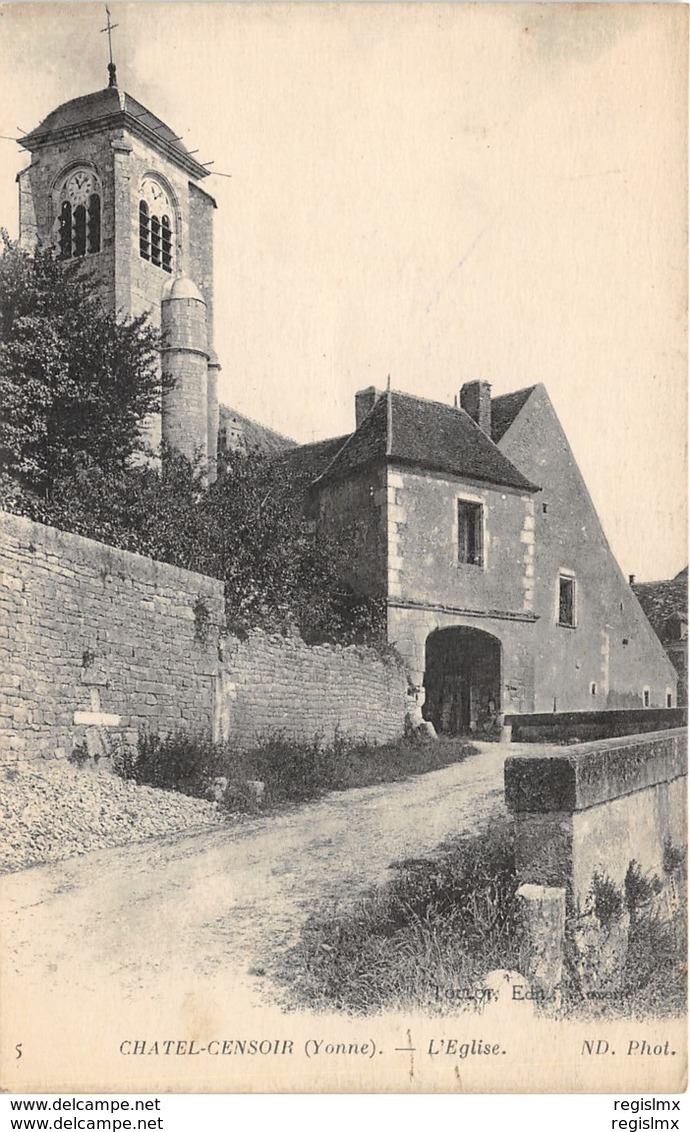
x=475 y=399
x=631 y=579
x=365 y=400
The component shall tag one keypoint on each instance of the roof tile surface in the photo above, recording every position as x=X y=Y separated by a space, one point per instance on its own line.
x=429 y=435
x=660 y=600
x=505 y=409
x=101 y=105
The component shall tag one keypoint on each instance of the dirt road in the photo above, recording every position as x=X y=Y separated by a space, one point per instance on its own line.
x=188 y=911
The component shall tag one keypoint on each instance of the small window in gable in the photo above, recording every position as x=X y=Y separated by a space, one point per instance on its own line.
x=470 y=533
x=645 y=697
x=669 y=699
x=566 y=600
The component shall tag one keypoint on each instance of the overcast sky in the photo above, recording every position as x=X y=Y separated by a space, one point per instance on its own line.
x=435 y=192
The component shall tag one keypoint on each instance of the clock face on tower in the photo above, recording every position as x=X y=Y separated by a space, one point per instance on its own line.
x=155 y=196
x=79 y=187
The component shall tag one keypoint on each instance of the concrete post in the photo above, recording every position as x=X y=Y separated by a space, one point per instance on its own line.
x=542 y=919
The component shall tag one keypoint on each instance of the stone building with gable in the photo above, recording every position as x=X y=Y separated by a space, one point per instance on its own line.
x=471 y=524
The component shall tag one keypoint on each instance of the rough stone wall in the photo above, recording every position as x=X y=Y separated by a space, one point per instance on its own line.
x=85 y=628
x=354 y=512
x=279 y=684
x=89 y=633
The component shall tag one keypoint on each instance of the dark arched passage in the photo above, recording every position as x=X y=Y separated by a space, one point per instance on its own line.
x=462 y=681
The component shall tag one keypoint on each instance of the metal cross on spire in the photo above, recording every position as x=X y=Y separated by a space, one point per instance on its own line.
x=110 y=28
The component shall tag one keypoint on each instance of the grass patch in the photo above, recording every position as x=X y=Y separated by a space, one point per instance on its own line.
x=426 y=939
x=278 y=770
x=654 y=979
x=423 y=940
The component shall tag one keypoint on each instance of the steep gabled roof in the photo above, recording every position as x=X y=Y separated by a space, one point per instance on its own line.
x=106 y=109
x=505 y=409
x=310 y=460
x=660 y=600
x=425 y=434
x=256 y=437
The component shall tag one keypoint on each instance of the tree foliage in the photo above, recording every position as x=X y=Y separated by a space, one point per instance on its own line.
x=75 y=379
x=75 y=383
x=249 y=529
x=277 y=570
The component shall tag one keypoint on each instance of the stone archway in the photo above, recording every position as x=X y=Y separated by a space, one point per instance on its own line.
x=462 y=680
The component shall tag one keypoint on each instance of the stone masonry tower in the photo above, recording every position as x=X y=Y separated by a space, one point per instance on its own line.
x=109 y=182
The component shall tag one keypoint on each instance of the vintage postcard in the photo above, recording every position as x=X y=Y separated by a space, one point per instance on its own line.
x=343 y=631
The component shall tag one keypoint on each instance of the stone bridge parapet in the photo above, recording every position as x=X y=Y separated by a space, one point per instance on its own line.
x=600 y=822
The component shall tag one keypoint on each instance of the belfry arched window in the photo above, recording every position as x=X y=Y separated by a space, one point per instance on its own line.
x=155 y=225
x=79 y=215
x=166 y=244
x=144 y=222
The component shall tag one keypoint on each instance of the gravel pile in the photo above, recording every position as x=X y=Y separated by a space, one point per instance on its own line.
x=53 y=809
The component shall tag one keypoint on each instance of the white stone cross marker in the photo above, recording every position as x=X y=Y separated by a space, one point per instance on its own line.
x=95 y=721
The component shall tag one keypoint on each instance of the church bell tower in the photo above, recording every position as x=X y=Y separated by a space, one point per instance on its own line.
x=109 y=183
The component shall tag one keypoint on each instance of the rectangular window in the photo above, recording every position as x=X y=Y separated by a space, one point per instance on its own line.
x=669 y=699
x=645 y=697
x=566 y=600
x=470 y=533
